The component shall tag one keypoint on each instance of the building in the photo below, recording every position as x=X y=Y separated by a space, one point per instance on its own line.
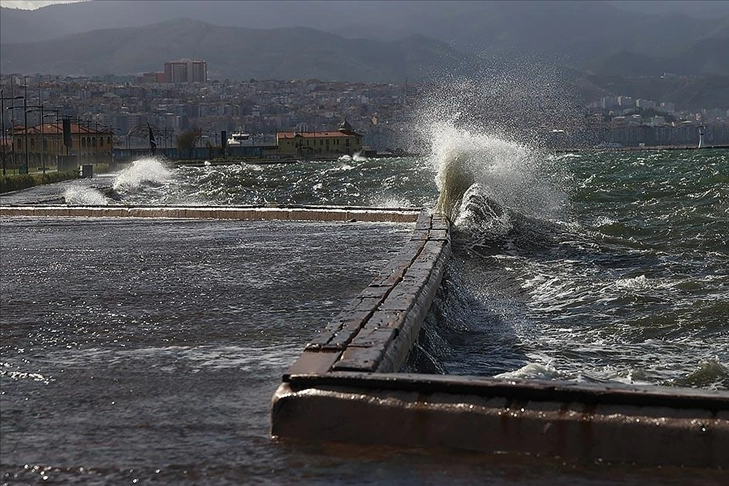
x=47 y=146
x=345 y=141
x=155 y=77
x=186 y=71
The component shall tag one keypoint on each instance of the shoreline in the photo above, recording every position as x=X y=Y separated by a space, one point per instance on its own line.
x=633 y=149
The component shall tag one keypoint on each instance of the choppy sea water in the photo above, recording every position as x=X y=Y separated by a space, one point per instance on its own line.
x=149 y=351
x=615 y=270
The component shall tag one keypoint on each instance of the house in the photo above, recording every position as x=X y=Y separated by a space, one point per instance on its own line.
x=299 y=144
x=48 y=144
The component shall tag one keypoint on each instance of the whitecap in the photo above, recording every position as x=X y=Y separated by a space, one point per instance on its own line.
x=531 y=371
x=635 y=283
x=143 y=171
x=84 y=196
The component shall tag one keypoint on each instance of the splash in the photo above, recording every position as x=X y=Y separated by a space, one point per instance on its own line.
x=711 y=374
x=147 y=171
x=357 y=157
x=504 y=173
x=531 y=371
x=84 y=196
x=488 y=125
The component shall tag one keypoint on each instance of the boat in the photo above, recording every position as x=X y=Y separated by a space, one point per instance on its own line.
x=240 y=139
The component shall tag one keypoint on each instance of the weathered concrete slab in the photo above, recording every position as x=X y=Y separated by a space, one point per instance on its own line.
x=321 y=361
x=283 y=212
x=616 y=424
x=376 y=332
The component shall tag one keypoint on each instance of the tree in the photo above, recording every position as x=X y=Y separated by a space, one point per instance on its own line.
x=186 y=141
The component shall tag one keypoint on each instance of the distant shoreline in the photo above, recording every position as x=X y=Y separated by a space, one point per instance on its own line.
x=653 y=147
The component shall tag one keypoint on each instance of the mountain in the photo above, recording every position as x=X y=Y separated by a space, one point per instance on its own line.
x=704 y=57
x=588 y=43
x=236 y=53
x=569 y=32
x=700 y=9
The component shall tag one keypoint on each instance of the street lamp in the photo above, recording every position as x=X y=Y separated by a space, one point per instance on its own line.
x=2 y=121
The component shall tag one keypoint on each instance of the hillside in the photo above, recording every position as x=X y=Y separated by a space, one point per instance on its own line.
x=236 y=53
x=597 y=48
x=580 y=34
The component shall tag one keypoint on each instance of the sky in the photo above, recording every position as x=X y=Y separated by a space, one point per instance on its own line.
x=699 y=8
x=32 y=4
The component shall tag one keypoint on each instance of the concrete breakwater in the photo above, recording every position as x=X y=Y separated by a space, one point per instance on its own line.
x=346 y=385
x=270 y=213
x=377 y=330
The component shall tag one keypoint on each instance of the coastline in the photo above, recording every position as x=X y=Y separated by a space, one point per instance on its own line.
x=634 y=149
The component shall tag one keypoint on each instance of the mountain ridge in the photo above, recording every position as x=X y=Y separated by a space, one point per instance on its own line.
x=469 y=38
x=558 y=30
x=234 y=52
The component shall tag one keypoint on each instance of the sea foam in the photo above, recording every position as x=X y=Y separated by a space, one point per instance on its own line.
x=147 y=171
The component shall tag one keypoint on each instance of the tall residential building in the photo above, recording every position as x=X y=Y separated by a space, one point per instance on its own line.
x=186 y=71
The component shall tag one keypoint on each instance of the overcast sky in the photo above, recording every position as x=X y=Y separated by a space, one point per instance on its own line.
x=694 y=8
x=32 y=4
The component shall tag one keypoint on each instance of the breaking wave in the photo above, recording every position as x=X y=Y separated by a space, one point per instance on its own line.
x=496 y=192
x=148 y=171
x=84 y=196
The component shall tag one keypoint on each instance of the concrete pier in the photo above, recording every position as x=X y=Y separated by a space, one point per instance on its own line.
x=346 y=386
x=376 y=331
x=268 y=213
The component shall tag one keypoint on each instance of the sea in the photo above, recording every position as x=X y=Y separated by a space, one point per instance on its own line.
x=137 y=351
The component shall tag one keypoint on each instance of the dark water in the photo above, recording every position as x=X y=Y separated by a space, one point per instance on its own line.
x=625 y=279
x=148 y=351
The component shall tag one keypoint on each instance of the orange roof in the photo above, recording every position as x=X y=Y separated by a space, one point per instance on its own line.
x=316 y=134
x=57 y=128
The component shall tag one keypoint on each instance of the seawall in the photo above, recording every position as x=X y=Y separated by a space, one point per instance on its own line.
x=345 y=387
x=272 y=213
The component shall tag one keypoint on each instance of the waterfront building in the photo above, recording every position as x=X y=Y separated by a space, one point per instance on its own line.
x=49 y=146
x=306 y=144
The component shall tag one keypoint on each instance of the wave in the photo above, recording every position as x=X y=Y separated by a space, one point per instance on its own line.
x=84 y=196
x=711 y=374
x=486 y=227
x=531 y=371
x=512 y=174
x=497 y=193
x=357 y=157
x=148 y=171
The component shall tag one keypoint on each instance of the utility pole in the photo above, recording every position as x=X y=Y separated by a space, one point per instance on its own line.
x=2 y=121
x=25 y=118
x=43 y=140
x=55 y=138
x=25 y=130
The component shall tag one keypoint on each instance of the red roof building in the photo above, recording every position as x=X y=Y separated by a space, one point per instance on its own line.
x=345 y=141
